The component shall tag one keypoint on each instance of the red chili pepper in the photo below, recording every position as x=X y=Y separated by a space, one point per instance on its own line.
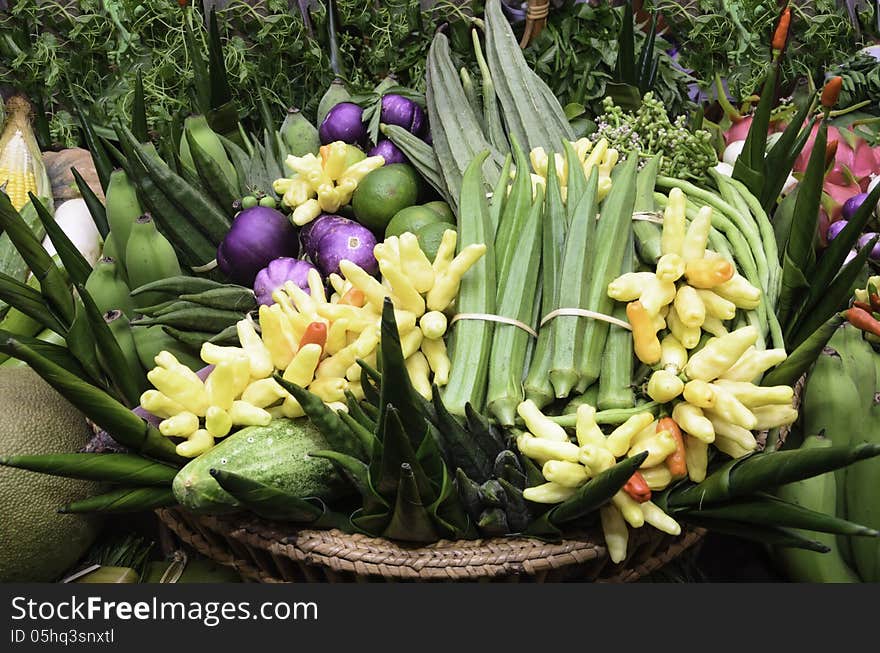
x=315 y=333
x=354 y=297
x=676 y=461
x=831 y=92
x=637 y=488
x=780 y=36
x=862 y=319
x=865 y=307
x=875 y=301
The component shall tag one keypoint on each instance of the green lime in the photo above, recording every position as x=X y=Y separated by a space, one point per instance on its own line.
x=384 y=192
x=430 y=237
x=443 y=209
x=411 y=219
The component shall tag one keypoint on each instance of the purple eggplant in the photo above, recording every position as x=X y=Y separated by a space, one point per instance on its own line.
x=388 y=151
x=344 y=122
x=399 y=110
x=353 y=242
x=279 y=272
x=258 y=235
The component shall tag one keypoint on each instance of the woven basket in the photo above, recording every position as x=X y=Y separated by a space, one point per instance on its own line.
x=268 y=552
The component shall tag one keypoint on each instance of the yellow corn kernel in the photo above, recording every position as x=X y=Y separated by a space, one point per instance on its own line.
x=448 y=279
x=181 y=425
x=645 y=342
x=696 y=455
x=699 y=393
x=415 y=264
x=435 y=353
x=565 y=473
x=659 y=448
x=629 y=508
x=658 y=477
x=772 y=416
x=674 y=223
x=659 y=519
x=693 y=421
x=418 y=369
x=689 y=307
x=548 y=493
x=615 y=531
x=257 y=353
x=329 y=389
x=753 y=363
x=539 y=424
x=543 y=450
x=673 y=355
x=629 y=286
x=595 y=458
x=697 y=236
x=197 y=444
x=278 y=336
x=263 y=392
x=586 y=429
x=720 y=354
x=244 y=414
x=670 y=268
x=739 y=291
x=217 y=422
x=160 y=405
x=620 y=439
x=664 y=386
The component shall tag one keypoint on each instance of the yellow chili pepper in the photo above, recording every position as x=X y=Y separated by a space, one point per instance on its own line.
x=181 y=425
x=673 y=355
x=302 y=366
x=664 y=386
x=658 y=519
x=629 y=286
x=411 y=342
x=723 y=429
x=693 y=421
x=772 y=416
x=620 y=439
x=292 y=409
x=182 y=386
x=699 y=393
x=689 y=307
x=160 y=405
x=716 y=305
x=689 y=337
x=754 y=395
x=419 y=374
x=244 y=414
x=415 y=264
x=278 y=336
x=595 y=156
x=257 y=353
x=629 y=508
x=586 y=429
x=543 y=450
x=227 y=381
x=674 y=223
x=696 y=453
x=714 y=326
x=720 y=354
x=336 y=336
x=374 y=291
x=340 y=285
x=615 y=531
x=657 y=294
x=197 y=444
x=447 y=280
x=539 y=424
x=337 y=365
x=357 y=171
x=658 y=477
x=645 y=342
x=697 y=236
x=262 y=393
x=658 y=447
x=731 y=409
x=316 y=287
x=217 y=422
x=739 y=291
x=404 y=293
x=433 y=324
x=356 y=390
x=548 y=493
x=435 y=352
x=753 y=363
x=298 y=322
x=306 y=212
x=596 y=458
x=329 y=388
x=565 y=473
x=445 y=253
x=670 y=268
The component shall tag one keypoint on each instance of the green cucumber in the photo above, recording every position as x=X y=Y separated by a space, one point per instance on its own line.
x=276 y=455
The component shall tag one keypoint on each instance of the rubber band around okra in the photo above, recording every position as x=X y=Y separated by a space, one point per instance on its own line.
x=582 y=312
x=488 y=317
x=207 y=267
x=654 y=217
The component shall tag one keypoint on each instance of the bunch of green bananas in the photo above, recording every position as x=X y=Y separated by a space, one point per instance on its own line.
x=841 y=406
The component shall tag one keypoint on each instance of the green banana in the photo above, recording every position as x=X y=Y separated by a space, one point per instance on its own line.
x=817 y=493
x=335 y=94
x=149 y=341
x=122 y=331
x=299 y=135
x=862 y=480
x=123 y=208
x=197 y=128
x=148 y=257
x=107 y=287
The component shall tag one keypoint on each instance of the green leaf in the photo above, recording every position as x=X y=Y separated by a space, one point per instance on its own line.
x=770 y=535
x=96 y=208
x=269 y=502
x=81 y=342
x=139 y=110
x=410 y=520
x=57 y=354
x=749 y=166
x=29 y=301
x=221 y=94
x=781 y=157
x=358 y=474
x=93 y=143
x=397 y=451
x=625 y=70
x=119 y=468
x=124 y=500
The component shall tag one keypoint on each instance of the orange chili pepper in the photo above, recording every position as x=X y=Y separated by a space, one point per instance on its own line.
x=830 y=153
x=676 y=461
x=831 y=92
x=862 y=319
x=354 y=297
x=864 y=306
x=780 y=36
x=637 y=488
x=875 y=301
x=315 y=333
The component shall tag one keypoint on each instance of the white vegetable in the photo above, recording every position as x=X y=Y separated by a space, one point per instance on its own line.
x=790 y=184
x=724 y=168
x=732 y=152
x=871 y=186
x=75 y=220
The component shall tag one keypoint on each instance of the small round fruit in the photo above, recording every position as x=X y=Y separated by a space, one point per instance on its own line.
x=430 y=236
x=384 y=192
x=411 y=219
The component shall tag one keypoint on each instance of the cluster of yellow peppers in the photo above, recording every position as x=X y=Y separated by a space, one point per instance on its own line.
x=566 y=466
x=589 y=155
x=325 y=182
x=315 y=342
